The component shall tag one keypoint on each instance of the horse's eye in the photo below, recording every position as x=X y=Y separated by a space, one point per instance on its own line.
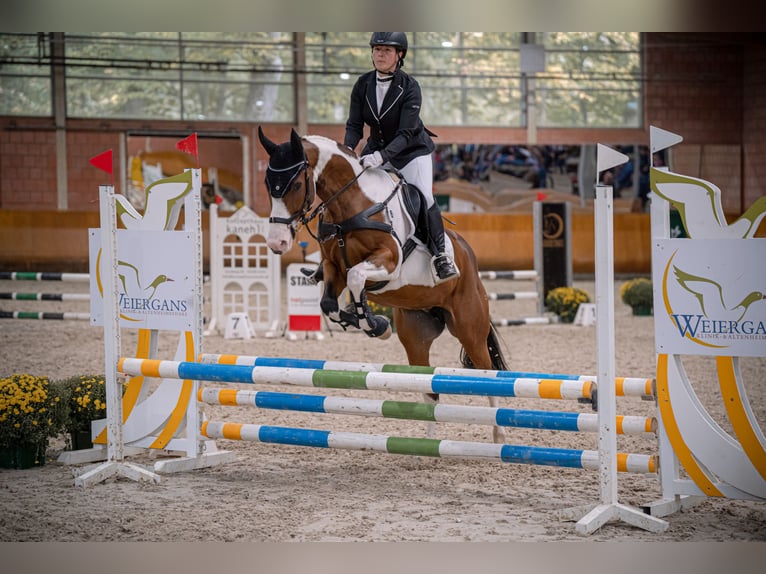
x=297 y=185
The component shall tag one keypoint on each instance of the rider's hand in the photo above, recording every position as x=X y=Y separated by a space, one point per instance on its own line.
x=371 y=160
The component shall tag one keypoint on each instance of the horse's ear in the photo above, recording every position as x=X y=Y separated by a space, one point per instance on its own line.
x=267 y=144
x=296 y=142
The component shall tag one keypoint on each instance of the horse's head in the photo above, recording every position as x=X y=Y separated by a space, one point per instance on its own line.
x=290 y=194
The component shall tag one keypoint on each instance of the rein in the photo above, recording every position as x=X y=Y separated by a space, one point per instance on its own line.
x=319 y=209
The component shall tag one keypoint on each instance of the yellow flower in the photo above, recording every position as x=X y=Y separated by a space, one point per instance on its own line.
x=87 y=401
x=564 y=301
x=637 y=292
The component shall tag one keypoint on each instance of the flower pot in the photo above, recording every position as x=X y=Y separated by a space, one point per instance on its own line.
x=80 y=440
x=23 y=456
x=642 y=310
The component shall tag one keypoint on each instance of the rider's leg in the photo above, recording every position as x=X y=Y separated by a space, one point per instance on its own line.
x=442 y=266
x=419 y=172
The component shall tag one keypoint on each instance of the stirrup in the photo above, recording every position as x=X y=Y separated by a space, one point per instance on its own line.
x=315 y=274
x=443 y=269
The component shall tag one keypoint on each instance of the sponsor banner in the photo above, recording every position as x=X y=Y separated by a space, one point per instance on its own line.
x=709 y=296
x=303 y=296
x=156 y=279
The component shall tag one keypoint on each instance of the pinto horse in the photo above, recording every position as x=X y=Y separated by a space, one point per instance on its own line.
x=367 y=229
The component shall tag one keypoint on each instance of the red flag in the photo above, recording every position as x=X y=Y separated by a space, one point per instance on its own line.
x=103 y=161
x=189 y=145
x=541 y=196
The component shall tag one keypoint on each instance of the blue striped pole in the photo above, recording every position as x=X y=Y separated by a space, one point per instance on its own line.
x=561 y=457
x=625 y=386
x=431 y=412
x=388 y=381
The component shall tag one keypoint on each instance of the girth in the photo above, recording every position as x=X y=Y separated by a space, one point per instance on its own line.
x=359 y=221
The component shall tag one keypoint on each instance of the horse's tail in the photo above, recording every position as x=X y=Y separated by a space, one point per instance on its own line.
x=494 y=346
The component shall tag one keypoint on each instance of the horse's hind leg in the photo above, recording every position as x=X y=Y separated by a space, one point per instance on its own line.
x=417 y=330
x=472 y=326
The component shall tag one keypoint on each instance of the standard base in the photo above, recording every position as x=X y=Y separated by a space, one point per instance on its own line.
x=599 y=515
x=109 y=469
x=193 y=463
x=667 y=506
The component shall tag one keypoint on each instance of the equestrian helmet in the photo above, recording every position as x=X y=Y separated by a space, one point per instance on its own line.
x=396 y=39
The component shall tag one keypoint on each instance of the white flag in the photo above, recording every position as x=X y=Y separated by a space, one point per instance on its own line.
x=660 y=139
x=607 y=158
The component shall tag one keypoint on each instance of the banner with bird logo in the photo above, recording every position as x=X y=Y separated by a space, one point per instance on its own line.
x=711 y=298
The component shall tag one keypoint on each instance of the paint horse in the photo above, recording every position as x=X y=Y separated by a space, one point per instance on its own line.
x=370 y=231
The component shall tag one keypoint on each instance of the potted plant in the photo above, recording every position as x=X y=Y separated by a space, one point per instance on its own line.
x=639 y=294
x=86 y=402
x=564 y=301
x=31 y=411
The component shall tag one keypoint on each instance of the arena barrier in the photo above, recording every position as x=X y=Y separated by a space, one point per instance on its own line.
x=624 y=386
x=45 y=297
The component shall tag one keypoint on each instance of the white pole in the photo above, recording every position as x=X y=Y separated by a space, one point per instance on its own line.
x=609 y=507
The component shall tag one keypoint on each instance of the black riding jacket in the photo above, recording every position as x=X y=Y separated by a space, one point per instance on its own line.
x=397 y=132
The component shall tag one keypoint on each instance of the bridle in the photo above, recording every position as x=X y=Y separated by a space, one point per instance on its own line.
x=279 y=189
x=302 y=216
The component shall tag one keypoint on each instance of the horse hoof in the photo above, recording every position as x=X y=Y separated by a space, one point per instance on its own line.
x=381 y=328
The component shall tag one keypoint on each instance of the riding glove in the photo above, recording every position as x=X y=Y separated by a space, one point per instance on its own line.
x=371 y=160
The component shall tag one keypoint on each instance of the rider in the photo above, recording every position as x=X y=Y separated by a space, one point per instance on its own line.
x=388 y=100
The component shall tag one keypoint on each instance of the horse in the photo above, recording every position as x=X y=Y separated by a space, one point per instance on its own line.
x=367 y=229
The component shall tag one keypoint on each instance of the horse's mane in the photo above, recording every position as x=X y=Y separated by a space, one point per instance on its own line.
x=330 y=146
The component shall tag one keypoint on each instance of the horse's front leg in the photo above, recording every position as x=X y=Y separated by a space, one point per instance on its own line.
x=334 y=284
x=374 y=325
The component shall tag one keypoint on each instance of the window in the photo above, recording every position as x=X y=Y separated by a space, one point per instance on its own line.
x=25 y=75
x=181 y=76
x=591 y=79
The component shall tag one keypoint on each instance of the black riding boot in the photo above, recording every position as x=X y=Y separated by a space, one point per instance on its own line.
x=442 y=266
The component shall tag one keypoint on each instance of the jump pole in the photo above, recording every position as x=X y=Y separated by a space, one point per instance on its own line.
x=44 y=315
x=44 y=276
x=573 y=458
x=429 y=412
x=625 y=386
x=45 y=296
x=360 y=380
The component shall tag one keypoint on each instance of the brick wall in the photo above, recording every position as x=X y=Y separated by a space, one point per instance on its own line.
x=28 y=169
